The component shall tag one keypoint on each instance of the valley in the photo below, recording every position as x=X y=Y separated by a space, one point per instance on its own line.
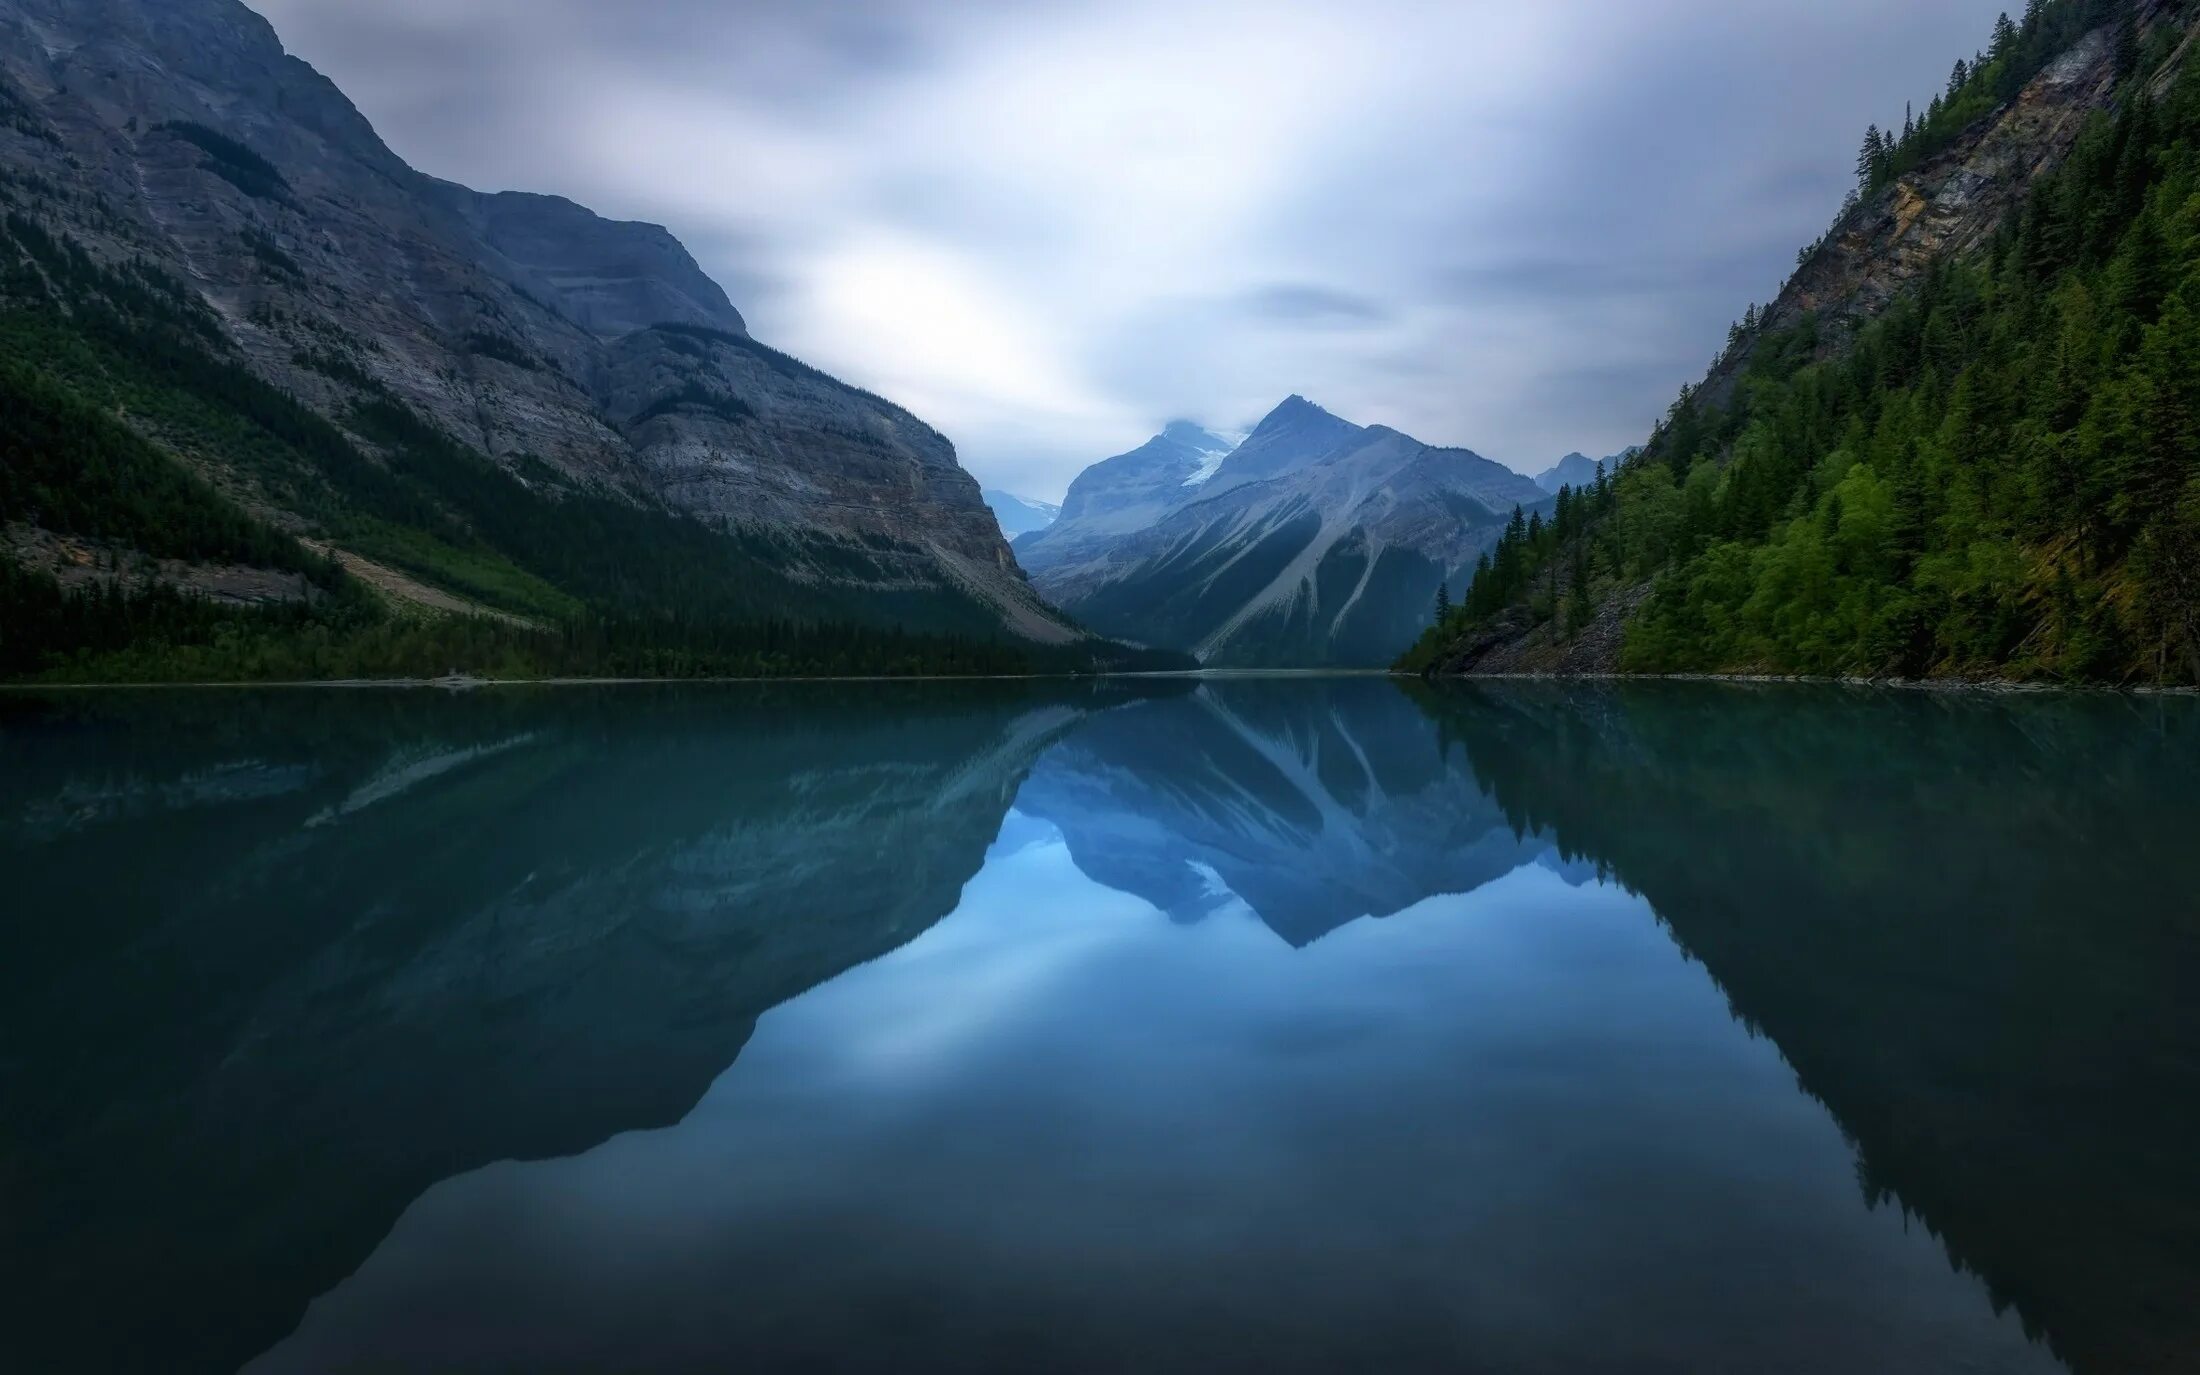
x=281 y=406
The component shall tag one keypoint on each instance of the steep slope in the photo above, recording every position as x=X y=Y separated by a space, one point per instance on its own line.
x=1020 y=515
x=172 y=142
x=1120 y=496
x=1960 y=442
x=1316 y=542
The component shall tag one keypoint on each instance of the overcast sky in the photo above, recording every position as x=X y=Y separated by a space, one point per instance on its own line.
x=1049 y=227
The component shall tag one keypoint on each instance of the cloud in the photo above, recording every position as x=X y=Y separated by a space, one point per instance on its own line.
x=1304 y=303
x=1049 y=225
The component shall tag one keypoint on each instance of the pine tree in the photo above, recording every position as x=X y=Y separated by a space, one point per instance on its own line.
x=1443 y=601
x=1869 y=157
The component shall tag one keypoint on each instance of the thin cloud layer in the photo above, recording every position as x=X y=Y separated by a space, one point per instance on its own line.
x=1048 y=227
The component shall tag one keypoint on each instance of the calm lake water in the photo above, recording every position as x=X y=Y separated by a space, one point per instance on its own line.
x=1257 y=1024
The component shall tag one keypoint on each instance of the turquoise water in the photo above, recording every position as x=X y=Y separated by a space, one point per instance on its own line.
x=1251 y=1024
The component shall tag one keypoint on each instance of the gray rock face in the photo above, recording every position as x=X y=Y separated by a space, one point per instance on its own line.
x=525 y=326
x=608 y=277
x=1316 y=542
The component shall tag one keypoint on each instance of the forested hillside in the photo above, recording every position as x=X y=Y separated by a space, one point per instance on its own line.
x=1997 y=475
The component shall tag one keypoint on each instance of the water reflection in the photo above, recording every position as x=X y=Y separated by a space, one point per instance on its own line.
x=1265 y=1025
x=1970 y=923
x=276 y=965
x=1314 y=802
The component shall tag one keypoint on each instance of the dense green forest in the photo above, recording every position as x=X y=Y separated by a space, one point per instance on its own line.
x=2000 y=476
x=109 y=372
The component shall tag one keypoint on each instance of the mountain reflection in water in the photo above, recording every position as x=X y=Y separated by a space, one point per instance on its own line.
x=1258 y=1024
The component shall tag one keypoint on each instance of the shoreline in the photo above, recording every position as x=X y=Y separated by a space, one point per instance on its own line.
x=468 y=683
x=1993 y=685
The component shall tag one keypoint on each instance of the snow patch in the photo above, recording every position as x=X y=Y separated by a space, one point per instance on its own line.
x=1210 y=461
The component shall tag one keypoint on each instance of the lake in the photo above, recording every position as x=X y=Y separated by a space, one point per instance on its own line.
x=1262 y=1024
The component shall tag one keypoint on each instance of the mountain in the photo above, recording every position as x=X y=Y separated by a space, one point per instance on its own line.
x=1020 y=515
x=1315 y=542
x=1578 y=470
x=1123 y=495
x=1958 y=444
x=368 y=399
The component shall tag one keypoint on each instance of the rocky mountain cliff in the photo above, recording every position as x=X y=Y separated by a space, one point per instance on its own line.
x=1315 y=542
x=574 y=352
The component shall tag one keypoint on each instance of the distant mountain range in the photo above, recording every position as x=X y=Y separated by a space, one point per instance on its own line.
x=1314 y=542
x=1579 y=470
x=1020 y=515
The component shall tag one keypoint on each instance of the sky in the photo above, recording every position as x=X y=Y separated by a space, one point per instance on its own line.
x=1050 y=226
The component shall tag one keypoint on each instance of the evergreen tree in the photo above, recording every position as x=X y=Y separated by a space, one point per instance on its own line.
x=1869 y=158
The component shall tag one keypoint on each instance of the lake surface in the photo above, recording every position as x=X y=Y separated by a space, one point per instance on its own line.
x=1252 y=1024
